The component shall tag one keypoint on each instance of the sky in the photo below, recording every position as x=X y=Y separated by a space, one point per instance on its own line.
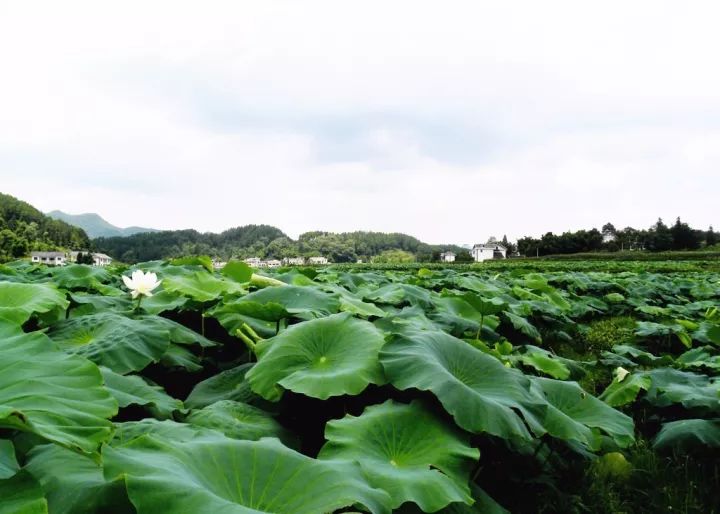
x=451 y=121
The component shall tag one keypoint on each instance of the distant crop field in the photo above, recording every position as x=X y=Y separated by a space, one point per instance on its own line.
x=508 y=386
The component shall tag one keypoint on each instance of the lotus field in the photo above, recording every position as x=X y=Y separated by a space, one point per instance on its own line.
x=171 y=388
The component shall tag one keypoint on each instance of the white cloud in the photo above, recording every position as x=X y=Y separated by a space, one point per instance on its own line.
x=450 y=121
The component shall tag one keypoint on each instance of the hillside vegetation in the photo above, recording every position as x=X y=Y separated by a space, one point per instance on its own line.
x=23 y=229
x=266 y=242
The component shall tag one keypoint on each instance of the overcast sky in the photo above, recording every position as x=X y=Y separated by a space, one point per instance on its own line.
x=448 y=120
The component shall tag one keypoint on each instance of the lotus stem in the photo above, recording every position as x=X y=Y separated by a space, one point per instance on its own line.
x=247 y=328
x=245 y=339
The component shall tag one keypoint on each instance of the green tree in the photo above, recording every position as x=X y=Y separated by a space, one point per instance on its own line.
x=660 y=239
x=393 y=257
x=711 y=237
x=463 y=256
x=684 y=237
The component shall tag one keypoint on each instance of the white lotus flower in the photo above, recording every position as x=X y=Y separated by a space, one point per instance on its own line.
x=141 y=283
x=621 y=373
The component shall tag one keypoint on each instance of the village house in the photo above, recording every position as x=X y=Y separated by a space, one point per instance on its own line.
x=490 y=250
x=273 y=263
x=317 y=260
x=255 y=262
x=49 y=258
x=99 y=259
x=218 y=264
x=447 y=257
x=293 y=261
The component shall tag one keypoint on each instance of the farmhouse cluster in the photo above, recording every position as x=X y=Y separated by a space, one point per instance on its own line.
x=62 y=258
x=256 y=262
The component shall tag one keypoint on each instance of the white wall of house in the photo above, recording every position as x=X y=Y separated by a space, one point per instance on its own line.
x=447 y=257
x=486 y=252
x=318 y=260
x=49 y=258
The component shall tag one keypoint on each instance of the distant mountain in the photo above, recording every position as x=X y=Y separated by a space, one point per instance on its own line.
x=95 y=226
x=23 y=229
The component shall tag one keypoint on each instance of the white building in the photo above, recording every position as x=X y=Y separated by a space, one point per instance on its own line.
x=490 y=250
x=273 y=263
x=218 y=264
x=447 y=257
x=49 y=258
x=317 y=260
x=293 y=261
x=255 y=262
x=99 y=259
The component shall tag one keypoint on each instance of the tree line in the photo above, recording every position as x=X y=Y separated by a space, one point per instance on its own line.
x=266 y=242
x=24 y=229
x=657 y=238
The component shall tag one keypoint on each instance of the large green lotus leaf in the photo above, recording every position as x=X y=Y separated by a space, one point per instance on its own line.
x=523 y=325
x=398 y=294
x=163 y=301
x=641 y=356
x=575 y=415
x=622 y=392
x=81 y=276
x=111 y=340
x=8 y=463
x=89 y=303
x=475 y=388
x=702 y=357
x=18 y=302
x=544 y=362
x=691 y=390
x=309 y=302
x=238 y=421
x=688 y=434
x=74 y=483
x=457 y=316
x=178 y=356
x=226 y=385
x=237 y=271
x=46 y=392
x=350 y=302
x=199 y=285
x=179 y=334
x=232 y=315
x=485 y=306
x=409 y=319
x=157 y=303
x=354 y=305
x=229 y=476
x=168 y=430
x=320 y=358
x=484 y=504
x=22 y=494
x=134 y=390
x=407 y=451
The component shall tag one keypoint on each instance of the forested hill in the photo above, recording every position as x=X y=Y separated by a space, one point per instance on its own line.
x=239 y=241
x=23 y=228
x=263 y=241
